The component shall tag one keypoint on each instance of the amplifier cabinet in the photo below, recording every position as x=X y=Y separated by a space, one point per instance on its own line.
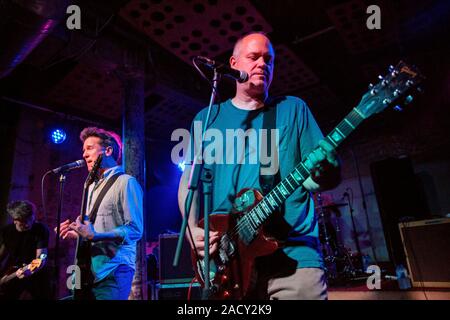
x=427 y=248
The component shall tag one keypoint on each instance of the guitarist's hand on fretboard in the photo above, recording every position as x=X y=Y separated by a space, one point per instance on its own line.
x=23 y=272
x=30 y=269
x=324 y=167
x=323 y=156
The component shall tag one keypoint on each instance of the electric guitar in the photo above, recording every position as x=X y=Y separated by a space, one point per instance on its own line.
x=12 y=274
x=241 y=237
x=83 y=250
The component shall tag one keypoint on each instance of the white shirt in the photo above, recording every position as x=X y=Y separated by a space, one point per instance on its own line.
x=121 y=211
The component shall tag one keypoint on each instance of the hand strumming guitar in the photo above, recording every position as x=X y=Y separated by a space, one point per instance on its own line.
x=198 y=235
x=65 y=232
x=72 y=230
x=84 y=229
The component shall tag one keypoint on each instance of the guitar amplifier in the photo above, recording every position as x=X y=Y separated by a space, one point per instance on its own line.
x=184 y=272
x=178 y=291
x=426 y=244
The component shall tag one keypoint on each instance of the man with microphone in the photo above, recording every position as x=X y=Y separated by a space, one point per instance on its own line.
x=296 y=269
x=118 y=223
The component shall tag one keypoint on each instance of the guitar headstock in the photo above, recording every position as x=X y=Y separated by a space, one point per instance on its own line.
x=395 y=88
x=93 y=174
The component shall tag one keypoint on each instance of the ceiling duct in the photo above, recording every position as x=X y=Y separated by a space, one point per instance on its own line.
x=24 y=24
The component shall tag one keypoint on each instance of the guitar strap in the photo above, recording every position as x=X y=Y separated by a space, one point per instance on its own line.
x=93 y=214
x=267 y=182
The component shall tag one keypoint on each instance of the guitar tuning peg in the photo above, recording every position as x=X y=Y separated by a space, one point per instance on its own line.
x=419 y=89
x=398 y=108
x=370 y=85
x=396 y=92
x=386 y=101
x=408 y=99
x=391 y=68
x=380 y=77
x=409 y=83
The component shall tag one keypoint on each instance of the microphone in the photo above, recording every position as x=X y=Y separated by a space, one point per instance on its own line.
x=238 y=75
x=70 y=166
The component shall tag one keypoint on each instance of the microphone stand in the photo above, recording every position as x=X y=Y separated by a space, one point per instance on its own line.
x=62 y=180
x=207 y=178
x=194 y=179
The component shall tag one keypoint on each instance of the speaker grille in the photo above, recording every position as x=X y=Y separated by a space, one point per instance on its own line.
x=426 y=244
x=184 y=272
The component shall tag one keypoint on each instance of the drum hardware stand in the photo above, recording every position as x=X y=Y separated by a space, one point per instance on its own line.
x=355 y=233
x=338 y=263
x=329 y=254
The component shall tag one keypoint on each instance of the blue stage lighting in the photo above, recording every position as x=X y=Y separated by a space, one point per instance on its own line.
x=181 y=166
x=58 y=136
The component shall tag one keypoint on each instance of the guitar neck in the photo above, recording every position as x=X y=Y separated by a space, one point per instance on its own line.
x=84 y=202
x=8 y=278
x=250 y=223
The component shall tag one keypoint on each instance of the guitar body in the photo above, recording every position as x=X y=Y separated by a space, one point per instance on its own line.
x=232 y=280
x=83 y=261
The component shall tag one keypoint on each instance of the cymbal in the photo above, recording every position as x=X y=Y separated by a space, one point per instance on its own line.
x=332 y=205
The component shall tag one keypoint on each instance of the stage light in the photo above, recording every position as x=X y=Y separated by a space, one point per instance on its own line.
x=58 y=136
x=181 y=166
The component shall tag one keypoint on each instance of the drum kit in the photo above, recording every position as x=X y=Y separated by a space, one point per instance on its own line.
x=341 y=264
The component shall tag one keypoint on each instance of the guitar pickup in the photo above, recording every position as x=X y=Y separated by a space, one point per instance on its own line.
x=226 y=249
